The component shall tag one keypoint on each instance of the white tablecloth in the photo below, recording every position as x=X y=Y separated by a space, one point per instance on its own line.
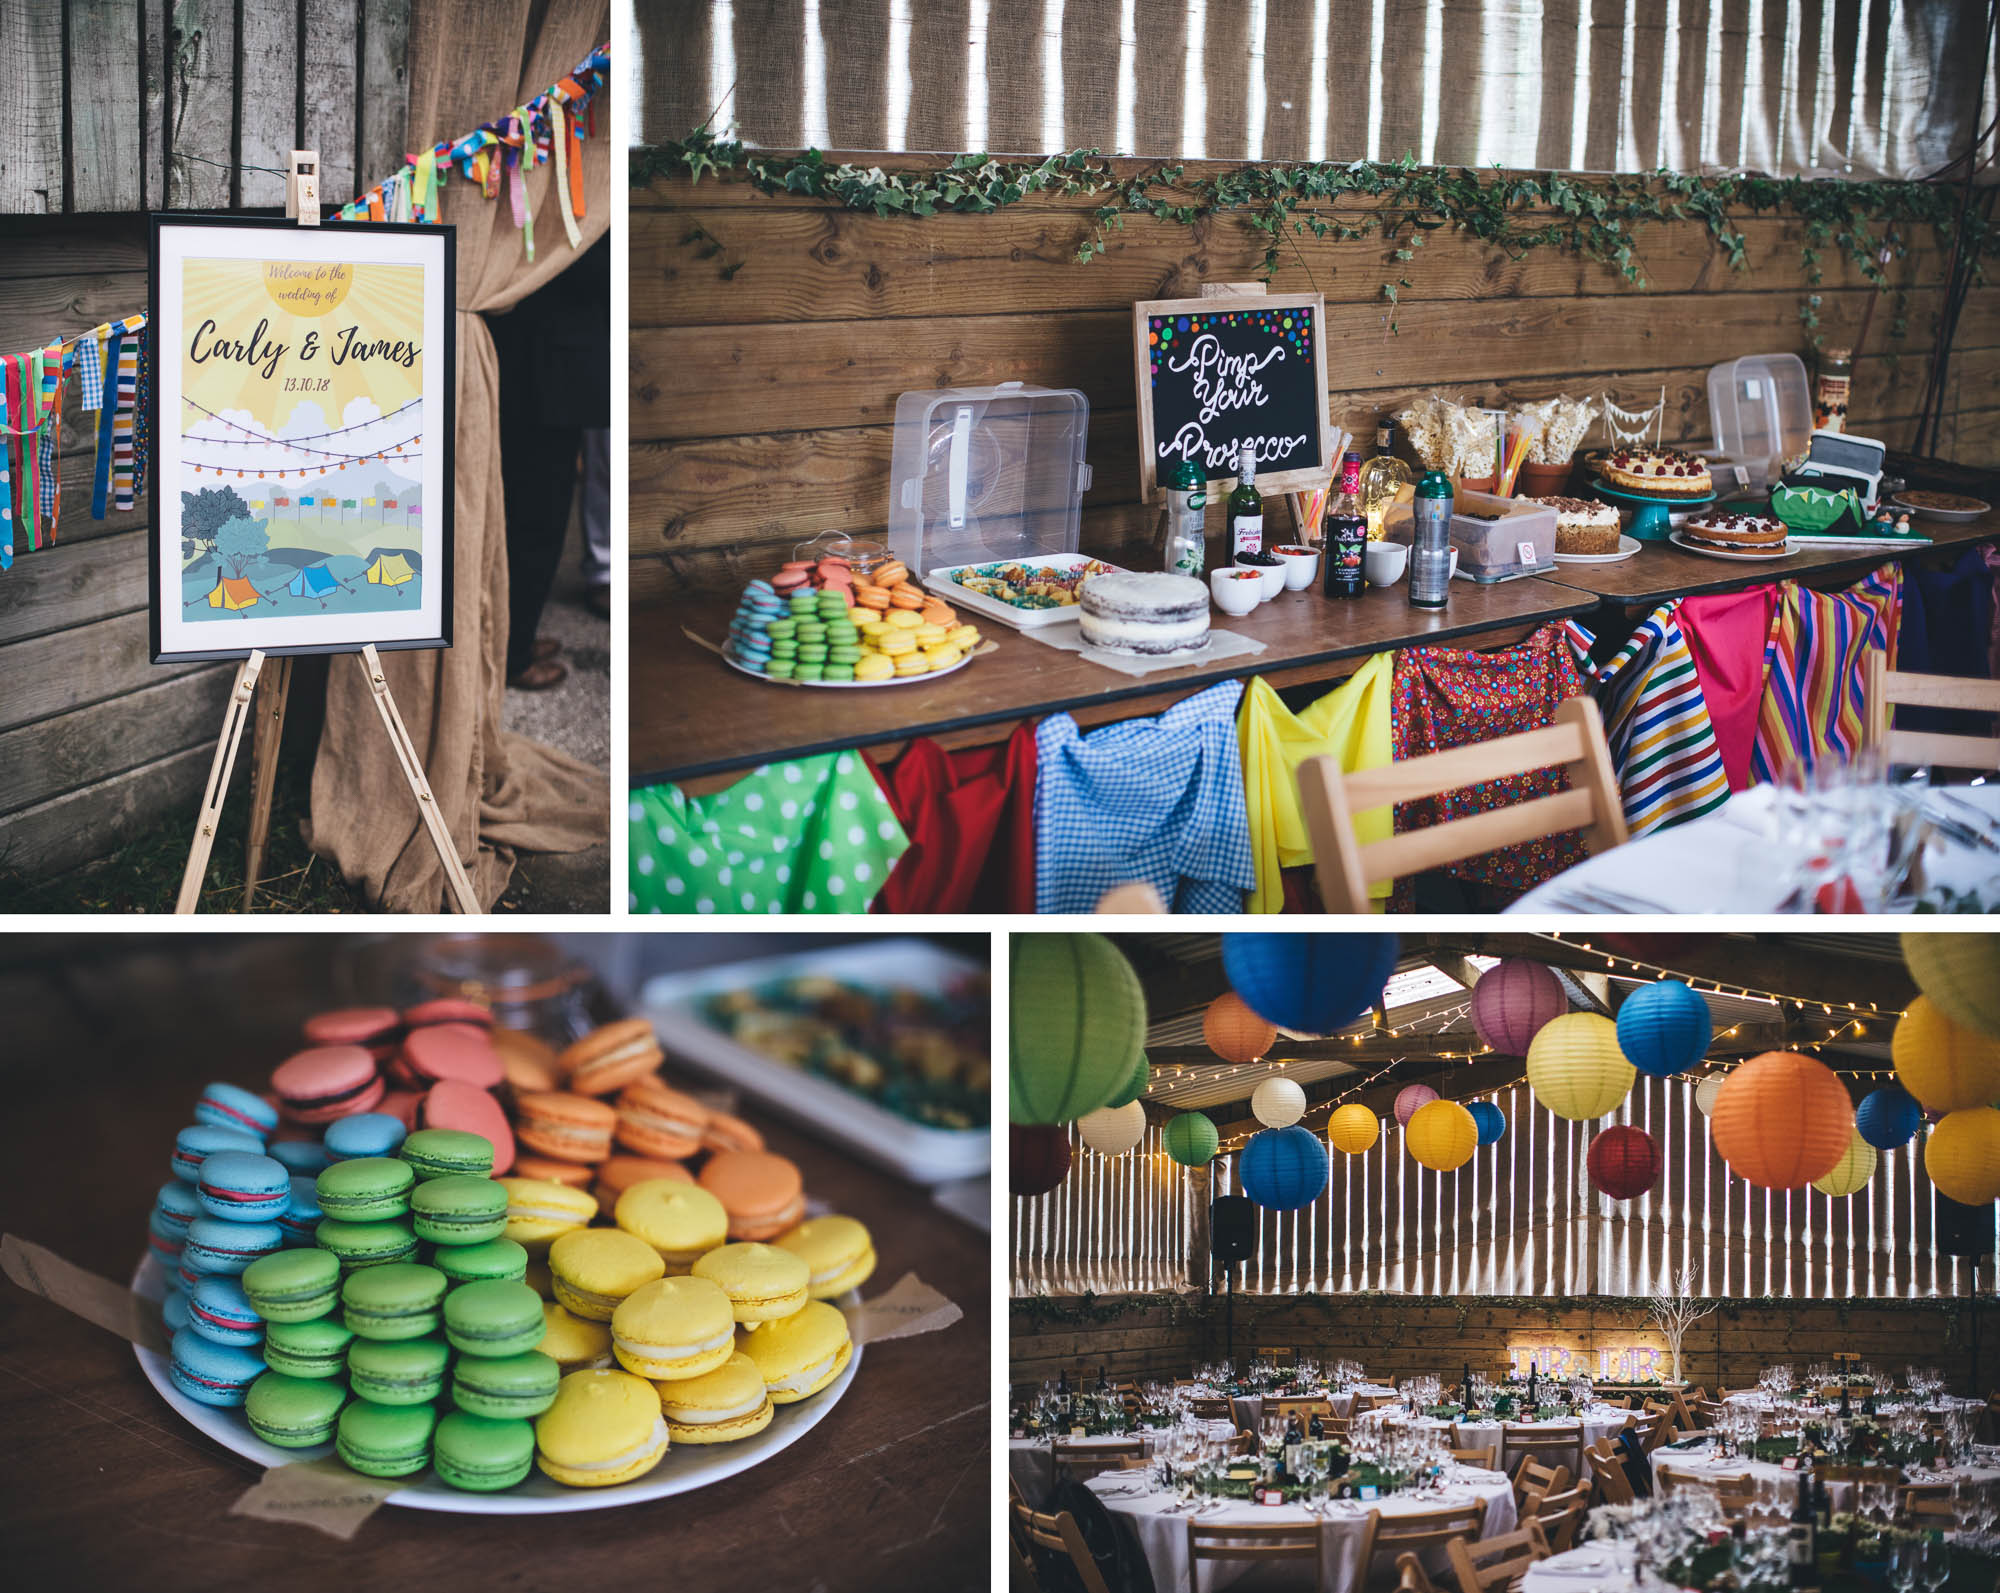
x=1592 y=1568
x=1596 y=1425
x=1839 y=1491
x=1727 y=862
x=1032 y=1461
x=1163 y=1537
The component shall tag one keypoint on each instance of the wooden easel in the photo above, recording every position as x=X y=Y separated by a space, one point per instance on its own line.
x=261 y=693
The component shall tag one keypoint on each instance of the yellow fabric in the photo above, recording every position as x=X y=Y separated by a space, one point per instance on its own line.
x=1350 y=723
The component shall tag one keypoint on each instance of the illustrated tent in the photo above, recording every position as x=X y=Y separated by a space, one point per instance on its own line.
x=232 y=591
x=312 y=581
x=389 y=569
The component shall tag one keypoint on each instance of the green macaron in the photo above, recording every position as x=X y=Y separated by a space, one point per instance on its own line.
x=459 y=1210
x=292 y=1285
x=441 y=1152
x=395 y=1301
x=308 y=1349
x=479 y=1455
x=495 y=1261
x=366 y=1244
x=493 y=1319
x=406 y=1372
x=386 y=1440
x=293 y=1412
x=365 y=1189
x=516 y=1386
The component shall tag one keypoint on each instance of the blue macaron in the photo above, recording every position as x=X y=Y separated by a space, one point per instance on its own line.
x=174 y=1310
x=307 y=1157
x=219 y=1310
x=215 y=1374
x=164 y=1241
x=193 y=1146
x=242 y=1187
x=229 y=1106
x=364 y=1134
x=301 y=1216
x=217 y=1245
x=176 y=1206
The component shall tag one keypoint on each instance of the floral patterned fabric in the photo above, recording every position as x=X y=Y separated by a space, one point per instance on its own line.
x=1447 y=697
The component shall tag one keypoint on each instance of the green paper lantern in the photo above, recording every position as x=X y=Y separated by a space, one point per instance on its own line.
x=1135 y=1086
x=1960 y=973
x=1076 y=1026
x=1191 y=1139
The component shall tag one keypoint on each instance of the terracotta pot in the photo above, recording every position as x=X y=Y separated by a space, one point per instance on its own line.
x=1542 y=481
x=1478 y=483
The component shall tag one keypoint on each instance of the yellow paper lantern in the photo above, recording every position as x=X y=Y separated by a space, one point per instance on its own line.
x=1961 y=975
x=1851 y=1173
x=1962 y=1155
x=1575 y=1066
x=1442 y=1135
x=1945 y=1066
x=1235 y=1033
x=1782 y=1120
x=1353 y=1129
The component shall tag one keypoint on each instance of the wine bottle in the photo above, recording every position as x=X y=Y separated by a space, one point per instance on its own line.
x=1246 y=507
x=1802 y=1546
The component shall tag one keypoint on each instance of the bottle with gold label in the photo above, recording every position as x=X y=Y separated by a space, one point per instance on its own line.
x=1831 y=387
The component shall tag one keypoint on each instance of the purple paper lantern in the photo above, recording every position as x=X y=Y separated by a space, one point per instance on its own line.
x=1412 y=1097
x=1511 y=1002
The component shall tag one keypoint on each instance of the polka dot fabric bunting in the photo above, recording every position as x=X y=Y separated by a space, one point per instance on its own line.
x=812 y=836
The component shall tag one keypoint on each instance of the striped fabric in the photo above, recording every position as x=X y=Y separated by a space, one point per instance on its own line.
x=6 y=486
x=1664 y=748
x=48 y=499
x=1815 y=667
x=121 y=425
x=107 y=417
x=142 y=404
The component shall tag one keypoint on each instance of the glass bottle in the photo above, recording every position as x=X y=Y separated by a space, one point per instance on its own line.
x=1430 y=569
x=1184 y=542
x=1346 y=535
x=1832 y=385
x=1246 y=507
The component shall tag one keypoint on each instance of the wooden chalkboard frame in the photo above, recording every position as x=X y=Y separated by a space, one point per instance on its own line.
x=1278 y=481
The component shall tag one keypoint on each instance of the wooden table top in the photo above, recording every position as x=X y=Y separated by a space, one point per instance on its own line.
x=691 y=715
x=107 y=1487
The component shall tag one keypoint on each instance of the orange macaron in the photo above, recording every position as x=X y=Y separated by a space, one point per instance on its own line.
x=528 y=1061
x=762 y=1193
x=657 y=1120
x=550 y=1171
x=607 y=1059
x=565 y=1127
x=725 y=1133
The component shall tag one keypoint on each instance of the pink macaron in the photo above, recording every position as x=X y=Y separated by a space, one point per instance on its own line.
x=447 y=1009
x=327 y=1082
x=377 y=1028
x=457 y=1051
x=466 y=1107
x=402 y=1105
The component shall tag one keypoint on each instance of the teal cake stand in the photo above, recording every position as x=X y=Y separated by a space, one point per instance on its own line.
x=1650 y=524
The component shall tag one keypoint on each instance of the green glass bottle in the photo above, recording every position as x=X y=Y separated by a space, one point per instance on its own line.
x=1246 y=508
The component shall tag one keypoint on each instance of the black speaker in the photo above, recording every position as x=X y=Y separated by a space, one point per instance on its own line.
x=1232 y=1228
x=1958 y=1230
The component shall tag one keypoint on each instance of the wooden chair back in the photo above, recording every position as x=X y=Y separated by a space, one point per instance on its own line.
x=1496 y=1562
x=1548 y=1452
x=1084 y=1461
x=1419 y=1530
x=1560 y=1514
x=1887 y=687
x=1608 y=1477
x=1737 y=1494
x=1057 y=1533
x=1622 y=1402
x=1246 y=1443
x=1411 y=1577
x=1486 y=1457
x=1304 y=1409
x=1363 y=1403
x=1209 y=1410
x=1254 y=1544
x=1331 y=801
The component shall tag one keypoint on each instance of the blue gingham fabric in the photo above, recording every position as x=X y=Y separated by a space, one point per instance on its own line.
x=89 y=373
x=1159 y=800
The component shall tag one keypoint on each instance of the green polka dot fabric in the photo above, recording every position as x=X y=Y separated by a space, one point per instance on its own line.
x=814 y=836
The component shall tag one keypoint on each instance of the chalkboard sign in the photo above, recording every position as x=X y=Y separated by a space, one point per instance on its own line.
x=1218 y=374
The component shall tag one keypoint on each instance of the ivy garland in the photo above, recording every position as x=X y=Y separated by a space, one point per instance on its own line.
x=1596 y=217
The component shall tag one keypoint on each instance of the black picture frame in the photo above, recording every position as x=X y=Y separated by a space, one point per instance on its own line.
x=282 y=230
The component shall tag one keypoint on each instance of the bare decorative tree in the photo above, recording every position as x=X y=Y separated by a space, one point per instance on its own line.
x=1675 y=1311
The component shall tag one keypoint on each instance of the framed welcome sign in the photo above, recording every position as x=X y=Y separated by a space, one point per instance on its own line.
x=301 y=421
x=1218 y=375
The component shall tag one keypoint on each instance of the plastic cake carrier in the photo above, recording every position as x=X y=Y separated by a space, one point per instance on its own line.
x=980 y=474
x=1762 y=413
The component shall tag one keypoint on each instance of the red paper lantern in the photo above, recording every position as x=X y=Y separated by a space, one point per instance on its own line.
x=1037 y=1157
x=1781 y=1120
x=1623 y=1162
x=1235 y=1033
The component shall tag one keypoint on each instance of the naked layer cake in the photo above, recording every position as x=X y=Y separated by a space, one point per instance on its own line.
x=1735 y=533
x=1145 y=613
x=1659 y=474
x=1582 y=526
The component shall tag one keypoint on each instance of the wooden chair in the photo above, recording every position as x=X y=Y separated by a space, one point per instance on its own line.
x=1561 y=1514
x=1496 y=1562
x=1607 y=1476
x=1736 y=1494
x=1210 y=1410
x=1304 y=1409
x=1887 y=687
x=1417 y=1531
x=1246 y=1443
x=1550 y=1451
x=1331 y=800
x=1622 y=1402
x=1486 y=1457
x=1255 y=1542
x=1926 y=1502
x=1085 y=1461
x=1411 y=1577
x=1057 y=1534
x=1531 y=1476
x=1363 y=1403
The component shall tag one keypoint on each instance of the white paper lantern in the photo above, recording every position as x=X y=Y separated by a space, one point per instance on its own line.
x=1278 y=1102
x=1706 y=1092
x=1114 y=1130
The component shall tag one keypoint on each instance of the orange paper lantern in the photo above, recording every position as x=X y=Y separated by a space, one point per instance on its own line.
x=1781 y=1120
x=1235 y=1033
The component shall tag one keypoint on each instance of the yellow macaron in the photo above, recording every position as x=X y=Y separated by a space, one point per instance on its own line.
x=604 y=1428
x=596 y=1268
x=539 y=1211
x=903 y=619
x=683 y=1222
x=673 y=1329
x=963 y=636
x=763 y=1282
x=838 y=1252
x=727 y=1403
x=873 y=666
x=575 y=1343
x=896 y=645
x=799 y=1354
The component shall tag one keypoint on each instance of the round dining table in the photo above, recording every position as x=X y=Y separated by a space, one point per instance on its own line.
x=1596 y=1421
x=1247 y=1410
x=1031 y=1462
x=1701 y=1462
x=1158 y=1525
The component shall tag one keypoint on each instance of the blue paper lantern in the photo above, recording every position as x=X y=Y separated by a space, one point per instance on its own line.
x=1888 y=1117
x=1284 y=1168
x=1490 y=1120
x=1664 y=1028
x=1310 y=984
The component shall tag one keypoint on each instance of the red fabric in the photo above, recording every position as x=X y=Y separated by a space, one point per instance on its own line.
x=970 y=817
x=1726 y=632
x=1450 y=697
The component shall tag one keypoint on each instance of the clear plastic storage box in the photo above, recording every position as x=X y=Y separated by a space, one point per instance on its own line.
x=1761 y=409
x=984 y=473
x=1519 y=539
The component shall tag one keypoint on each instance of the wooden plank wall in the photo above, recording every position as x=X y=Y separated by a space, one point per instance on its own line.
x=161 y=103
x=771 y=337
x=1400 y=1337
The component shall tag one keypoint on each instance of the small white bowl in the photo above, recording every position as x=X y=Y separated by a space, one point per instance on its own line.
x=1301 y=566
x=1235 y=591
x=1384 y=562
x=1273 y=574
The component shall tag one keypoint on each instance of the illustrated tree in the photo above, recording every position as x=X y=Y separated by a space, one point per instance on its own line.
x=240 y=544
x=206 y=512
